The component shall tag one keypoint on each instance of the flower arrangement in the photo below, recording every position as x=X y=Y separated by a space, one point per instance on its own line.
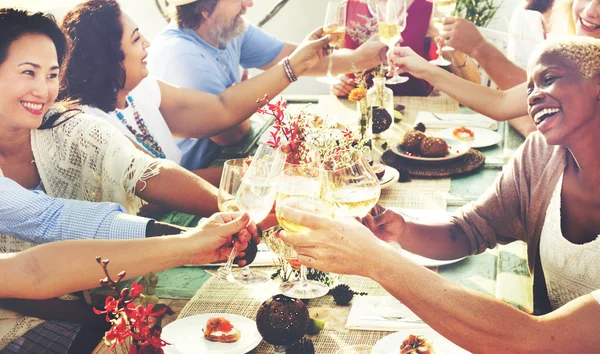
x=302 y=135
x=359 y=95
x=290 y=130
x=140 y=324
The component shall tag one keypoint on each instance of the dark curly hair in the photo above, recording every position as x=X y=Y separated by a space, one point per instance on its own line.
x=190 y=15
x=93 y=70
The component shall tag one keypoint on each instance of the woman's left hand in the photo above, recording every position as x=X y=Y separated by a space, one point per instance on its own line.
x=341 y=246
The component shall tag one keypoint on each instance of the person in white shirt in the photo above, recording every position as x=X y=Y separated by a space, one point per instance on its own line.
x=529 y=25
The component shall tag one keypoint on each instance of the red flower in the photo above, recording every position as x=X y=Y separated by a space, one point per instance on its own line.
x=118 y=333
x=129 y=320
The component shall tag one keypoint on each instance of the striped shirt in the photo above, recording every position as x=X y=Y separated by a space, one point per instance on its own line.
x=37 y=218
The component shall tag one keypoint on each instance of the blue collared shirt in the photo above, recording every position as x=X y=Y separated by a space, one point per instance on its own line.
x=34 y=217
x=182 y=58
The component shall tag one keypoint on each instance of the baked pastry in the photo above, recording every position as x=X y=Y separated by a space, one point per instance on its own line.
x=219 y=329
x=463 y=133
x=412 y=142
x=416 y=344
x=434 y=147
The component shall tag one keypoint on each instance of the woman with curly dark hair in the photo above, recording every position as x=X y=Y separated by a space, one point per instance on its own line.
x=107 y=73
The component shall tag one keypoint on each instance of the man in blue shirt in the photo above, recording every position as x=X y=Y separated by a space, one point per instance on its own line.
x=57 y=268
x=34 y=217
x=203 y=49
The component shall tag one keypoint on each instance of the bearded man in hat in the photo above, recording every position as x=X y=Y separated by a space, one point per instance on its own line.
x=206 y=43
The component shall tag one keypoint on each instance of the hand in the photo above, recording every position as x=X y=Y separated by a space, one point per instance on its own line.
x=213 y=239
x=312 y=49
x=371 y=53
x=385 y=224
x=461 y=35
x=404 y=59
x=339 y=246
x=344 y=87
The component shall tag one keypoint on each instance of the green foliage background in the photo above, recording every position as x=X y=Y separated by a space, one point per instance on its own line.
x=480 y=12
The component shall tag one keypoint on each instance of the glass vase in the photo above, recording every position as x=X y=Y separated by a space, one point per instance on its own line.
x=380 y=100
x=364 y=123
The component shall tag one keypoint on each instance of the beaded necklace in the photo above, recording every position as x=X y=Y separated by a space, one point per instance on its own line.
x=143 y=136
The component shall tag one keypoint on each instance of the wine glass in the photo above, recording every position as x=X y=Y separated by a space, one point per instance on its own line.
x=391 y=21
x=443 y=9
x=231 y=180
x=352 y=190
x=254 y=188
x=335 y=25
x=300 y=188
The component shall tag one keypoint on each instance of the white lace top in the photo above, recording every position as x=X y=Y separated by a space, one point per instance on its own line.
x=87 y=159
x=570 y=270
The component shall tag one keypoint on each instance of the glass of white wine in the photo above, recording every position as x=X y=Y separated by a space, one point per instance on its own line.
x=352 y=190
x=231 y=180
x=335 y=25
x=254 y=188
x=443 y=9
x=391 y=21
x=300 y=188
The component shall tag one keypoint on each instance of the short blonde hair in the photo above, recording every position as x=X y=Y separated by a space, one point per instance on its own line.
x=583 y=53
x=562 y=17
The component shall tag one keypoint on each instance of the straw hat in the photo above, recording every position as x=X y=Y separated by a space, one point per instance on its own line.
x=181 y=2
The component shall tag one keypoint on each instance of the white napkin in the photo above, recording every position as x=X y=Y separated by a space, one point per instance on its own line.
x=366 y=313
x=455 y=120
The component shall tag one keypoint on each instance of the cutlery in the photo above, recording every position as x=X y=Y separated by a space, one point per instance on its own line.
x=391 y=318
x=438 y=117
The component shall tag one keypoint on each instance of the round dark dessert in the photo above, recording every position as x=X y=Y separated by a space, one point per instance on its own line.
x=282 y=320
x=434 y=147
x=382 y=120
x=412 y=142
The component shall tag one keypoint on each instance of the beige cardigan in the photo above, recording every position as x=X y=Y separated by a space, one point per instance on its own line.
x=515 y=208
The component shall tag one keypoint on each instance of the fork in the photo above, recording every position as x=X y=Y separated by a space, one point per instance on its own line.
x=391 y=318
x=438 y=117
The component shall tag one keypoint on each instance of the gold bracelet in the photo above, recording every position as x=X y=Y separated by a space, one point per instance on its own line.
x=460 y=66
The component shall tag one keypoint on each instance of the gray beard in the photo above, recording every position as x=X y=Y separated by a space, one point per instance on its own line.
x=223 y=35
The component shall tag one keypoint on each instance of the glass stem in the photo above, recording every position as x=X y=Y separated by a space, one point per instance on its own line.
x=303 y=277
x=229 y=263
x=246 y=272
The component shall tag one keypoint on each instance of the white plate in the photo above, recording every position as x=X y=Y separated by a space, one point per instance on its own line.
x=390 y=177
x=391 y=344
x=186 y=336
x=428 y=262
x=483 y=137
x=456 y=149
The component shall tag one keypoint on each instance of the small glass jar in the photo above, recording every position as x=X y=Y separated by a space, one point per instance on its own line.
x=380 y=100
x=364 y=122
